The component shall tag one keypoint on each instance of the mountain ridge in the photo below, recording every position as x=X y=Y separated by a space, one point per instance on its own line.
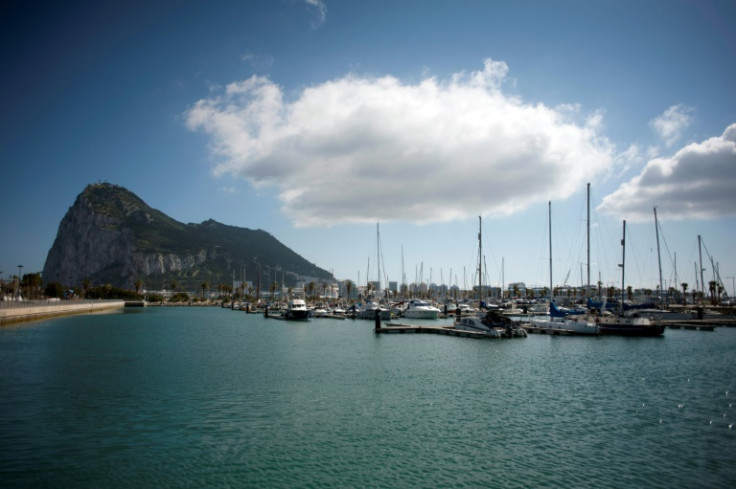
x=110 y=235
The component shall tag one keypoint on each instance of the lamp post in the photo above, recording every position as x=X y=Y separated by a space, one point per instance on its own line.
x=20 y=268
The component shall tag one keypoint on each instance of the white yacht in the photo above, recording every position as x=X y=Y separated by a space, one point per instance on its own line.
x=417 y=309
x=296 y=310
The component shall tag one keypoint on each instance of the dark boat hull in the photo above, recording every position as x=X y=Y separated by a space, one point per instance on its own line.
x=296 y=315
x=631 y=329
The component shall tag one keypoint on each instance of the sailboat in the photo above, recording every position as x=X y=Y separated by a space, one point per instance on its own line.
x=558 y=321
x=493 y=323
x=631 y=324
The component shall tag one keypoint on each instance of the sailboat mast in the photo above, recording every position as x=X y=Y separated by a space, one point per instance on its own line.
x=587 y=288
x=659 y=257
x=378 y=257
x=623 y=266
x=549 y=224
x=480 y=260
x=700 y=252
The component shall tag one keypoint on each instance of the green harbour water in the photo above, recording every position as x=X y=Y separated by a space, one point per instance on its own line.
x=208 y=397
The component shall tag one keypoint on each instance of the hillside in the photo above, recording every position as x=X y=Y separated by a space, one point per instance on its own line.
x=112 y=236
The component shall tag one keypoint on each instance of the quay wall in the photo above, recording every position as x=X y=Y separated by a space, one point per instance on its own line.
x=43 y=310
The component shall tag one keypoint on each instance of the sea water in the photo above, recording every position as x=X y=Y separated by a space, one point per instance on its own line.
x=208 y=397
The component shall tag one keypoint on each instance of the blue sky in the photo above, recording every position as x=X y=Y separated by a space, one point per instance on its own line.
x=314 y=120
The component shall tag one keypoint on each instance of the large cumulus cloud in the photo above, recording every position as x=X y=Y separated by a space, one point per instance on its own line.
x=697 y=182
x=361 y=149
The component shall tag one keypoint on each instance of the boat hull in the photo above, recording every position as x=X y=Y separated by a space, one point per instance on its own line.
x=296 y=315
x=632 y=329
x=421 y=314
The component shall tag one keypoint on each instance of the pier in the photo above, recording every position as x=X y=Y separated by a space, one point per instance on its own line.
x=398 y=328
x=14 y=312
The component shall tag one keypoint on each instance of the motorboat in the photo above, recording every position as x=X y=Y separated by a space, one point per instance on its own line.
x=296 y=310
x=476 y=325
x=369 y=311
x=493 y=323
x=418 y=309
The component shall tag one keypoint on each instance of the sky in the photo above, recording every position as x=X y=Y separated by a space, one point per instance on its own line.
x=353 y=130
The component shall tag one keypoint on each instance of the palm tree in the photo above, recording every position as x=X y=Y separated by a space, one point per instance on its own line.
x=629 y=292
x=684 y=293
x=204 y=286
x=671 y=294
x=138 y=284
x=349 y=287
x=310 y=289
x=273 y=288
x=712 y=290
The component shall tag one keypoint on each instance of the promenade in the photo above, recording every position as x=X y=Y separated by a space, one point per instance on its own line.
x=13 y=312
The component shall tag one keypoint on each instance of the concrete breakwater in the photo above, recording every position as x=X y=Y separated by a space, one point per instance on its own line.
x=31 y=311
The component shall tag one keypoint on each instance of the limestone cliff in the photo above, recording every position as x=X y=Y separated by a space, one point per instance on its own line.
x=111 y=236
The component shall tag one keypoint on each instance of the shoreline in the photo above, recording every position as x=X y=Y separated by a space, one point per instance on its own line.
x=42 y=310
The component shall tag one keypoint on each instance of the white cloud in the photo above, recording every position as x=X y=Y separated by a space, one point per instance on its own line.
x=359 y=149
x=698 y=182
x=670 y=125
x=320 y=9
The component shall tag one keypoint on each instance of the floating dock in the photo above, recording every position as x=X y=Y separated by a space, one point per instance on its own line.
x=398 y=328
x=550 y=331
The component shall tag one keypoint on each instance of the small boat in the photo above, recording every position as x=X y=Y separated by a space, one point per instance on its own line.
x=476 y=325
x=369 y=311
x=320 y=312
x=626 y=324
x=493 y=323
x=296 y=310
x=418 y=309
x=563 y=321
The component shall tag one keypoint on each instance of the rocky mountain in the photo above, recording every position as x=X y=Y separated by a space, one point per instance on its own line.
x=111 y=236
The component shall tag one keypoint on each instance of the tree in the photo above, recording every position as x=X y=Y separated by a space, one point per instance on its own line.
x=671 y=294
x=712 y=290
x=138 y=284
x=204 y=286
x=54 y=290
x=174 y=284
x=629 y=292
x=684 y=293
x=349 y=287
x=310 y=289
